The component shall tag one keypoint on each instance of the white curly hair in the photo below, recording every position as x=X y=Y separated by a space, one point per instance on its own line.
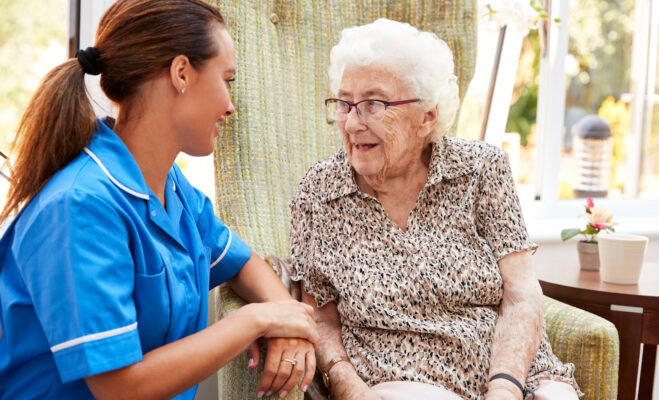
x=424 y=61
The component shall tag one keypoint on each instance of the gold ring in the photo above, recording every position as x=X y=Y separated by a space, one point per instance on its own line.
x=291 y=360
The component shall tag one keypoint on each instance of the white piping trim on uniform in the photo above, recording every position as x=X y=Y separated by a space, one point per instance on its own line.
x=93 y=337
x=224 y=253
x=112 y=178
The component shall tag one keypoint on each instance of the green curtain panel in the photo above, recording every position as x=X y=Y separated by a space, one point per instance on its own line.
x=588 y=341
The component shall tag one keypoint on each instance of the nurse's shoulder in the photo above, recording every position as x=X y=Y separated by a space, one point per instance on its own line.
x=81 y=191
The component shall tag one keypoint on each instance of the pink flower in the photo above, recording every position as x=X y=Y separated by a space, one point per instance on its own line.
x=589 y=203
x=600 y=217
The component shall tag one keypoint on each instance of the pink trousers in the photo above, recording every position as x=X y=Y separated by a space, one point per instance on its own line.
x=548 y=390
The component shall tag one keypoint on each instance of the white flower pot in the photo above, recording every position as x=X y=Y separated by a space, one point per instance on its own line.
x=621 y=257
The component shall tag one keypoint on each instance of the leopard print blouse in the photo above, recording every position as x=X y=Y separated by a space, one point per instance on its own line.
x=417 y=305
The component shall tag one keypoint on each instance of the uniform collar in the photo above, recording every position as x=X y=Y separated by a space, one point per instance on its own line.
x=113 y=157
x=450 y=158
x=110 y=153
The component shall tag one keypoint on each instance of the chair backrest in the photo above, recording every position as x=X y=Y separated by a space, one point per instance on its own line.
x=280 y=129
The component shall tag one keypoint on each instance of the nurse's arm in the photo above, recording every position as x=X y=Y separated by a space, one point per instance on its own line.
x=171 y=369
x=257 y=282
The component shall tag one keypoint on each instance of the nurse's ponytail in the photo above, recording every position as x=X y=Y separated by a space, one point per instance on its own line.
x=58 y=122
x=136 y=40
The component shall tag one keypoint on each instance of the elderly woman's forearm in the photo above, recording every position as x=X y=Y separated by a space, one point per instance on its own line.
x=328 y=322
x=330 y=345
x=343 y=376
x=518 y=332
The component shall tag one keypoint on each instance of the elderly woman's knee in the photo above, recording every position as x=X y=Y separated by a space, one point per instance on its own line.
x=403 y=390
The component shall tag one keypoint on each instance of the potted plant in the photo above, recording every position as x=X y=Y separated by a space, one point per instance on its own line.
x=599 y=219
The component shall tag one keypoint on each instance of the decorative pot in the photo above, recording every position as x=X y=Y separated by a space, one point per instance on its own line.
x=622 y=257
x=589 y=258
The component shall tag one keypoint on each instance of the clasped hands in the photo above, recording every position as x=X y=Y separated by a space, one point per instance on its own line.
x=289 y=334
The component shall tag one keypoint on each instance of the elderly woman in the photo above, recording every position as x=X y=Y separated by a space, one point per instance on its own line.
x=411 y=245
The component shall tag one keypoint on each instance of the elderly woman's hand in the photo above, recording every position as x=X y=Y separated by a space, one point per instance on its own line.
x=280 y=374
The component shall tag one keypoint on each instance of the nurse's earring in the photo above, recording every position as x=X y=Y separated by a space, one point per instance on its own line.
x=183 y=90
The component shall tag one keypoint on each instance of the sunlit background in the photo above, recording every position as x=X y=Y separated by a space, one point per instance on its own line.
x=32 y=41
x=598 y=80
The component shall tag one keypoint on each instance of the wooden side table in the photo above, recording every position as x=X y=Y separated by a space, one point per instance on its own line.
x=633 y=309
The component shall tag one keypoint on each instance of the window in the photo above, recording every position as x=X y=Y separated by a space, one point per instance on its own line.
x=598 y=70
x=599 y=59
x=607 y=58
x=506 y=73
x=649 y=169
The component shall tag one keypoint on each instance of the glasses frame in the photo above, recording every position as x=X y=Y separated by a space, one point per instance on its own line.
x=387 y=104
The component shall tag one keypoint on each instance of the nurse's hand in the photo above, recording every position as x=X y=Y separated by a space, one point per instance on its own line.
x=286 y=318
x=287 y=360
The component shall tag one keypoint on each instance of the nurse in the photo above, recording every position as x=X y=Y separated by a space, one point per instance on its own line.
x=106 y=268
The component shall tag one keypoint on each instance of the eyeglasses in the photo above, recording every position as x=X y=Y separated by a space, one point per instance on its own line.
x=5 y=167
x=368 y=110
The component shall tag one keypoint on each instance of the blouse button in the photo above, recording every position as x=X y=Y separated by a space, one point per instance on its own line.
x=153 y=213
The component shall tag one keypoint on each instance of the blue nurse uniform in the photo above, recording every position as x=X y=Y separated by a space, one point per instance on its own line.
x=95 y=272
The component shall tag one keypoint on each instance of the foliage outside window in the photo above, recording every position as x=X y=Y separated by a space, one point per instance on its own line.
x=598 y=68
x=598 y=81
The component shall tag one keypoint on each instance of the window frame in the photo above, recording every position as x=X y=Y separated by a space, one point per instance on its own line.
x=551 y=103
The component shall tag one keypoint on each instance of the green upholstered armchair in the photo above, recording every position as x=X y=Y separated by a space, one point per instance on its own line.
x=280 y=130
x=588 y=341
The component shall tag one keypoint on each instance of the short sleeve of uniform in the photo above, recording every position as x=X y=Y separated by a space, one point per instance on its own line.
x=228 y=253
x=75 y=260
x=498 y=213
x=316 y=283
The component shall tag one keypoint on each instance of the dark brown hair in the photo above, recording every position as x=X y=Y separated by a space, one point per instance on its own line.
x=136 y=40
